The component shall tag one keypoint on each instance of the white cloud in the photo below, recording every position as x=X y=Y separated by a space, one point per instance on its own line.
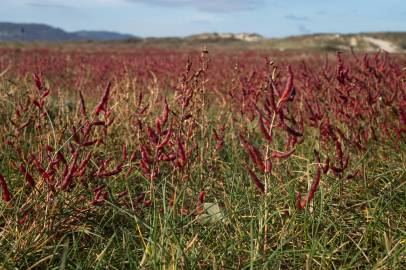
x=207 y=5
x=71 y=3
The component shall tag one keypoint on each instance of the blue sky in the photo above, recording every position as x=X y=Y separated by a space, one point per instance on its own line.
x=271 y=18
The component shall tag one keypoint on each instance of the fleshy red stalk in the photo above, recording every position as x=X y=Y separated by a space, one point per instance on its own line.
x=6 y=192
x=283 y=154
x=27 y=176
x=82 y=104
x=255 y=179
x=104 y=100
x=287 y=93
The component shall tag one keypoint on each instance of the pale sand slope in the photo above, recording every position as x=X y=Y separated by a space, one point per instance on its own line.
x=383 y=44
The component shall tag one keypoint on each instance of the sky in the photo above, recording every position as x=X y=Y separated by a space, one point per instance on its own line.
x=270 y=18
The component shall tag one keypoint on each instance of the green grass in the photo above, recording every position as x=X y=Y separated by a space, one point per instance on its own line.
x=354 y=223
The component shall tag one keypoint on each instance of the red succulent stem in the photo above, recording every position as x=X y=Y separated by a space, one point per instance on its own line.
x=181 y=153
x=165 y=140
x=124 y=153
x=264 y=130
x=302 y=202
x=27 y=176
x=315 y=184
x=283 y=154
x=255 y=179
x=287 y=93
x=117 y=170
x=4 y=187
x=70 y=173
x=82 y=104
x=102 y=106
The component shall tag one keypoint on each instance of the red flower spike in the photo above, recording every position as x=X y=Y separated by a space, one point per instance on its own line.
x=60 y=157
x=122 y=194
x=166 y=157
x=268 y=166
x=201 y=197
x=165 y=140
x=49 y=149
x=199 y=208
x=27 y=176
x=124 y=152
x=44 y=95
x=283 y=154
x=339 y=152
x=70 y=173
x=158 y=125
x=98 y=123
x=300 y=202
x=164 y=118
x=89 y=143
x=287 y=93
x=152 y=136
x=82 y=104
x=253 y=152
x=181 y=153
x=6 y=192
x=255 y=179
x=315 y=184
x=84 y=162
x=102 y=106
x=117 y=170
x=264 y=130
x=144 y=155
x=326 y=165
x=38 y=82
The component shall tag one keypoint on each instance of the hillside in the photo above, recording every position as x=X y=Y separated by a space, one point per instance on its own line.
x=28 y=32
x=102 y=35
x=247 y=37
x=393 y=42
x=33 y=32
x=389 y=41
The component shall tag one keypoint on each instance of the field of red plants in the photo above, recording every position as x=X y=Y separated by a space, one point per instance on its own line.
x=128 y=158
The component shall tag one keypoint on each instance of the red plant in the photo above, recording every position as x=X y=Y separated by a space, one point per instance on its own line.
x=302 y=202
x=102 y=106
x=289 y=91
x=6 y=193
x=82 y=104
x=27 y=176
x=255 y=180
x=283 y=154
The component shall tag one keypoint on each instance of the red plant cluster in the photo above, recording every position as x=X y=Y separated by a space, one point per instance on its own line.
x=357 y=104
x=342 y=106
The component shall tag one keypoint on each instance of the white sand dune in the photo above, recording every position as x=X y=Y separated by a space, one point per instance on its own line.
x=383 y=44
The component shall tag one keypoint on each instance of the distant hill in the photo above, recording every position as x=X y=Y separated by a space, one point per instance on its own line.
x=248 y=37
x=389 y=41
x=33 y=32
x=42 y=32
x=103 y=35
x=393 y=42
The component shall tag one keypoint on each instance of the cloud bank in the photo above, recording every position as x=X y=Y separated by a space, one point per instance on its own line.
x=47 y=4
x=292 y=17
x=207 y=5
